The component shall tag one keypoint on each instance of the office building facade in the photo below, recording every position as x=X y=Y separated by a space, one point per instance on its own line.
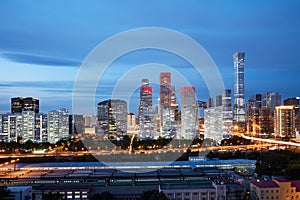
x=112 y=117
x=218 y=122
x=189 y=113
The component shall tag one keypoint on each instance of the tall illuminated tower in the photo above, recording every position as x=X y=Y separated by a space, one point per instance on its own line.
x=239 y=92
x=165 y=89
x=146 y=113
x=145 y=96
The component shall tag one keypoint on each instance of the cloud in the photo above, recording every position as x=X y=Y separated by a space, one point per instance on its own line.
x=38 y=84
x=39 y=60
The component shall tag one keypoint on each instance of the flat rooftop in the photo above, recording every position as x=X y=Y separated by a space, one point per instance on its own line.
x=134 y=166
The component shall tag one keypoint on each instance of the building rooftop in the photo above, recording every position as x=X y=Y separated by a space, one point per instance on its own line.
x=187 y=187
x=131 y=165
x=123 y=189
x=282 y=180
x=264 y=184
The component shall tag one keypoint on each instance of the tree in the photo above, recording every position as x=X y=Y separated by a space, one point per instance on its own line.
x=293 y=171
x=153 y=195
x=4 y=193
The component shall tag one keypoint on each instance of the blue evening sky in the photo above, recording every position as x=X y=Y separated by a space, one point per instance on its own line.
x=43 y=43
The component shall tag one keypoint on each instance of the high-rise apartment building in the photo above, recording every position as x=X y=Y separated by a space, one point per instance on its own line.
x=41 y=128
x=189 y=113
x=28 y=126
x=24 y=126
x=284 y=122
x=239 y=114
x=19 y=104
x=58 y=125
x=112 y=117
x=12 y=134
x=4 y=126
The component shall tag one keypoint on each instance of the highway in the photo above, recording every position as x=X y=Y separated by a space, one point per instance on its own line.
x=271 y=141
x=119 y=151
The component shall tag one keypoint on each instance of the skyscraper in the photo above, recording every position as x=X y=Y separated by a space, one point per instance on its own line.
x=19 y=104
x=165 y=89
x=189 y=113
x=147 y=118
x=239 y=117
x=145 y=95
x=168 y=109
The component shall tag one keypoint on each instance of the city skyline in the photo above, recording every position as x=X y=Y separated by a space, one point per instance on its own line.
x=41 y=51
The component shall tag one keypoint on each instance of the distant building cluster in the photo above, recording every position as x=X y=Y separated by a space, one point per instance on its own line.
x=26 y=123
x=263 y=115
x=152 y=121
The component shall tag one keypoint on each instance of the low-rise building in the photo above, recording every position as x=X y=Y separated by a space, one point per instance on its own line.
x=20 y=192
x=68 y=191
x=278 y=188
x=220 y=191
